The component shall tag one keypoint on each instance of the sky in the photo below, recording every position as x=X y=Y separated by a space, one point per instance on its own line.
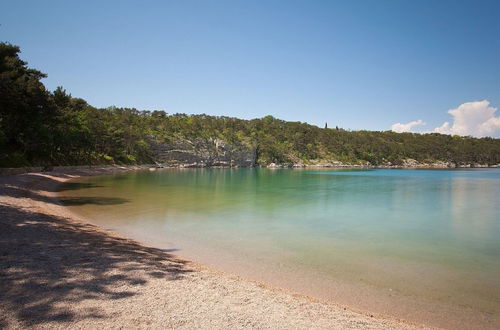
x=375 y=65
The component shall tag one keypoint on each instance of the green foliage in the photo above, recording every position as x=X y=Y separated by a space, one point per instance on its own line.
x=38 y=127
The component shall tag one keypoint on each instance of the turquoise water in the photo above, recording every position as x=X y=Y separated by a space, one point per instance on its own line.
x=415 y=243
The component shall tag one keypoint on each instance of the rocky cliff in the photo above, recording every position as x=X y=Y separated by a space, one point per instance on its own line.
x=203 y=153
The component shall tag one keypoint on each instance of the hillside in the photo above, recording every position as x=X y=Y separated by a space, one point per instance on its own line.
x=43 y=128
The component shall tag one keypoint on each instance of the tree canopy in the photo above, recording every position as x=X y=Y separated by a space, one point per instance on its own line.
x=39 y=127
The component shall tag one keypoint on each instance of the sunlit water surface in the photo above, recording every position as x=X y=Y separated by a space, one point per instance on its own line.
x=419 y=244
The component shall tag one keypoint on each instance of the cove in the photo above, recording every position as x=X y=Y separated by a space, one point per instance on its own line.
x=422 y=245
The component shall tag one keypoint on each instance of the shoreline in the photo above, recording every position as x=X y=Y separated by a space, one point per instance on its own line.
x=138 y=290
x=9 y=171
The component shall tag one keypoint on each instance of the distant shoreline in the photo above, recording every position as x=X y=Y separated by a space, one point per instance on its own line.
x=5 y=171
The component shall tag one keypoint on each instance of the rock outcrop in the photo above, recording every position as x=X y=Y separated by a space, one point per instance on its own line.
x=204 y=153
x=407 y=163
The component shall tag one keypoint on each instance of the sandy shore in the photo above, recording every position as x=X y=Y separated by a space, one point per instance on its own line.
x=59 y=271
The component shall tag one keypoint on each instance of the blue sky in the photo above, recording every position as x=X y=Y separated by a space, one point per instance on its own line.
x=355 y=64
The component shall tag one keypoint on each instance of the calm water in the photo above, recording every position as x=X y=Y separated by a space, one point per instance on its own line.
x=420 y=244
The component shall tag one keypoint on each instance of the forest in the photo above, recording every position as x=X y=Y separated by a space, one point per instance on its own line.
x=39 y=127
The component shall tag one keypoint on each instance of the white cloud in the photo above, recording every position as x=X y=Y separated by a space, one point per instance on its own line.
x=399 y=127
x=472 y=118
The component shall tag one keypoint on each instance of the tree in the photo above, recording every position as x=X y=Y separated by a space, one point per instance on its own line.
x=25 y=108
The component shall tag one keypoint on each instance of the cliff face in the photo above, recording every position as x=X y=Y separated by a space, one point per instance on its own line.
x=203 y=153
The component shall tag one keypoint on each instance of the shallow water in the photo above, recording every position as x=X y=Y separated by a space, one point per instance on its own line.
x=419 y=244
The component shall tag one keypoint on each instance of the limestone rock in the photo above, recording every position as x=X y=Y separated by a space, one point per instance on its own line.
x=203 y=153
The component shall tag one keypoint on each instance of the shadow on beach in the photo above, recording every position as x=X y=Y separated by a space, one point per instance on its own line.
x=48 y=263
